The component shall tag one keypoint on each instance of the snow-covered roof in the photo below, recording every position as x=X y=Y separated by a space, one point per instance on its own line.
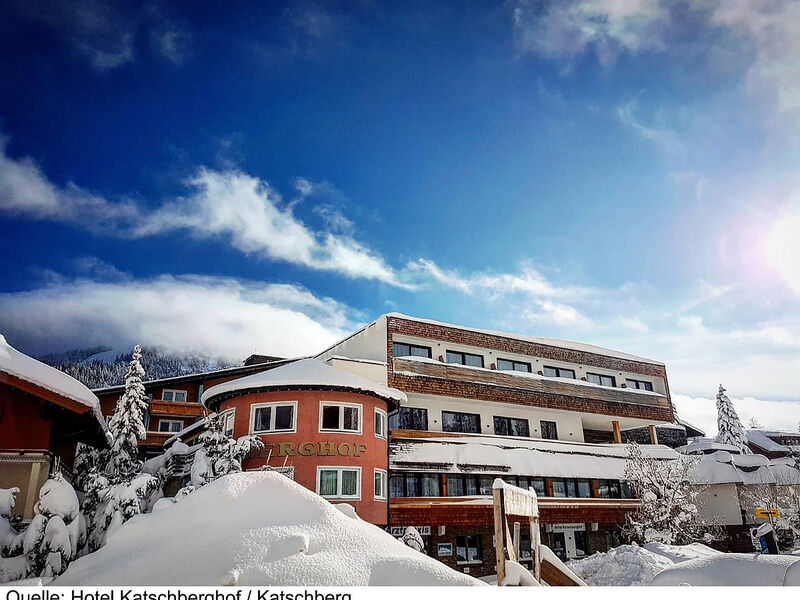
x=200 y=423
x=705 y=446
x=688 y=425
x=310 y=373
x=543 y=458
x=258 y=528
x=22 y=366
x=579 y=346
x=760 y=438
x=749 y=469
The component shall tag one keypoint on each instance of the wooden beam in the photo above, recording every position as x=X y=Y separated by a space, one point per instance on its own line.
x=499 y=534
x=617 y=435
x=653 y=434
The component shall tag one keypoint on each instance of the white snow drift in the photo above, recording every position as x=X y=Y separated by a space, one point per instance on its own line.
x=258 y=528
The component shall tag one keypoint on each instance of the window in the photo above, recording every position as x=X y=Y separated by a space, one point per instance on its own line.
x=399 y=349
x=270 y=418
x=639 y=385
x=558 y=372
x=559 y=488
x=173 y=396
x=549 y=430
x=340 y=417
x=455 y=485
x=539 y=486
x=606 y=380
x=339 y=482
x=584 y=488
x=609 y=488
x=461 y=422
x=380 y=484
x=412 y=485
x=169 y=426
x=409 y=418
x=571 y=489
x=226 y=419
x=513 y=365
x=464 y=358
x=485 y=485
x=510 y=426
x=380 y=423
x=468 y=548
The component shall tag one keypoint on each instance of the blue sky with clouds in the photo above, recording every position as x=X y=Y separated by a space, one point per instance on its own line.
x=268 y=176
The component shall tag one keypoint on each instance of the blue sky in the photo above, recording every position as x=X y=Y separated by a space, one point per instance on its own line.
x=269 y=176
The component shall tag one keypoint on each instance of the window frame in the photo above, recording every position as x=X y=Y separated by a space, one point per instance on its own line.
x=178 y=421
x=508 y=424
x=514 y=363
x=173 y=392
x=339 y=470
x=384 y=421
x=342 y=406
x=410 y=346
x=224 y=417
x=478 y=547
x=385 y=487
x=641 y=384
x=600 y=376
x=558 y=371
x=542 y=428
x=453 y=412
x=254 y=407
x=410 y=408
x=463 y=355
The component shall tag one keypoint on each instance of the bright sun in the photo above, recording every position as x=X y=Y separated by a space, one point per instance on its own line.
x=783 y=249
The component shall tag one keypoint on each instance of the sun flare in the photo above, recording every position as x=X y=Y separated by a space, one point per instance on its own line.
x=783 y=249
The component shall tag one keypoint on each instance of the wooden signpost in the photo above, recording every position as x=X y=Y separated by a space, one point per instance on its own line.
x=508 y=499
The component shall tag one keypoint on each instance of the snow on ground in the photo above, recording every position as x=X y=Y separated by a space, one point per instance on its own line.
x=623 y=565
x=733 y=569
x=258 y=528
x=694 y=564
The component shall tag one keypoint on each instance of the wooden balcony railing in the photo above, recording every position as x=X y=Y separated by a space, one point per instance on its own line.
x=181 y=409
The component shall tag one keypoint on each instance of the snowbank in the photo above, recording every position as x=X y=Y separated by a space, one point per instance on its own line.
x=29 y=369
x=255 y=528
x=307 y=373
x=624 y=565
x=733 y=569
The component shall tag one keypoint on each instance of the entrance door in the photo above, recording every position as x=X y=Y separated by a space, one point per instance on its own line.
x=559 y=545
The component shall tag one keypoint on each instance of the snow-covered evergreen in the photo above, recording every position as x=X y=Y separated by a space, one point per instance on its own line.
x=220 y=455
x=668 y=512
x=54 y=537
x=126 y=426
x=730 y=430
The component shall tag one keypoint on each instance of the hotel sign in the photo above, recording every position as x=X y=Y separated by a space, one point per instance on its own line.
x=313 y=449
x=400 y=531
x=555 y=527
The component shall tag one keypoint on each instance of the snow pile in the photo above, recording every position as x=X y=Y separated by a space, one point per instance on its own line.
x=679 y=554
x=258 y=528
x=623 y=565
x=306 y=373
x=24 y=367
x=733 y=569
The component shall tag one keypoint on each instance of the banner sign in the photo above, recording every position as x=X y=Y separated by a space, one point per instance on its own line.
x=400 y=531
x=568 y=527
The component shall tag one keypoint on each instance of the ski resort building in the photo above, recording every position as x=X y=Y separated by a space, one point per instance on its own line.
x=541 y=413
x=44 y=413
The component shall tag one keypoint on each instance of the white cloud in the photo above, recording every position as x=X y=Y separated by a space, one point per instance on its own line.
x=214 y=315
x=702 y=412
x=657 y=133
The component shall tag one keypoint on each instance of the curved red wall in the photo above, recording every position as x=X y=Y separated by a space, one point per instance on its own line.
x=373 y=450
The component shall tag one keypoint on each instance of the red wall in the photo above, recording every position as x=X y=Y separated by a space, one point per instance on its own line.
x=22 y=425
x=374 y=450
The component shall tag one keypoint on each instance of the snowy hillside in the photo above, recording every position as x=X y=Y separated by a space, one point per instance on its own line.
x=259 y=528
x=103 y=366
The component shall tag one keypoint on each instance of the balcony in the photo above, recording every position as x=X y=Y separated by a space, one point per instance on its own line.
x=177 y=409
x=156 y=438
x=427 y=376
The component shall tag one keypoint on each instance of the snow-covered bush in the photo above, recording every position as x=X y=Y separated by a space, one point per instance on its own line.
x=413 y=539
x=8 y=531
x=730 y=427
x=668 y=512
x=53 y=538
x=117 y=503
x=220 y=455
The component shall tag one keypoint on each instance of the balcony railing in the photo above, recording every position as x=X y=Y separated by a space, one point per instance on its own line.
x=183 y=409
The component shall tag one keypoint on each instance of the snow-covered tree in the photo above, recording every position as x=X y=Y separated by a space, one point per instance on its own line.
x=126 y=426
x=220 y=455
x=730 y=430
x=413 y=539
x=669 y=508
x=53 y=538
x=783 y=495
x=117 y=503
x=753 y=423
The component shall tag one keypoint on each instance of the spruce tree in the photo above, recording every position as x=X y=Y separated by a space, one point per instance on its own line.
x=730 y=430
x=126 y=426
